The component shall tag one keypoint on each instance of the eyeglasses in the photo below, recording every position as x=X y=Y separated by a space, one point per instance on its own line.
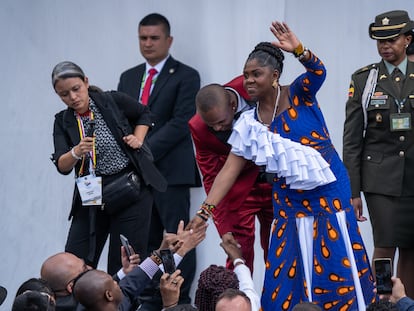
x=75 y=280
x=85 y=269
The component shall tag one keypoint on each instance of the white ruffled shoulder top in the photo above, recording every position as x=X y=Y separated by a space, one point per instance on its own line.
x=303 y=167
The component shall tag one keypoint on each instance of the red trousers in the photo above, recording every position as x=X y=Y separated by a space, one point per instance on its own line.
x=258 y=203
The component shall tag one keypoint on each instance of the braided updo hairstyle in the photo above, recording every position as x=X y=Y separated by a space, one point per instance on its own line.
x=212 y=282
x=267 y=54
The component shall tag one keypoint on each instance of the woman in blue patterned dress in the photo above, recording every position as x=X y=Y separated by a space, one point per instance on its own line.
x=316 y=252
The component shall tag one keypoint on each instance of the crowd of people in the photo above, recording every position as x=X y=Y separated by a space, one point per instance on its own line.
x=264 y=151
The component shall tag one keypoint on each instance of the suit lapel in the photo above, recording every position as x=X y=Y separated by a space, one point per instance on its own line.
x=166 y=73
x=70 y=123
x=385 y=80
x=140 y=76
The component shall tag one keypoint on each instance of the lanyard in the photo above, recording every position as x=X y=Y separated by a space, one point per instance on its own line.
x=92 y=154
x=400 y=104
x=144 y=78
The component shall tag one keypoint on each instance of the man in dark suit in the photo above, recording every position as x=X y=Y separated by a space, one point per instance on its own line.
x=378 y=142
x=173 y=88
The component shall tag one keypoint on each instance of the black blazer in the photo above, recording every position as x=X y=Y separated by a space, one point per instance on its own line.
x=121 y=113
x=172 y=104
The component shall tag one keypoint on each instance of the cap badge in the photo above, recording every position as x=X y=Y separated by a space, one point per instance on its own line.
x=385 y=21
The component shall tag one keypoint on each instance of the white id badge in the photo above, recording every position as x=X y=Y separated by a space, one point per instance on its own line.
x=90 y=189
x=400 y=122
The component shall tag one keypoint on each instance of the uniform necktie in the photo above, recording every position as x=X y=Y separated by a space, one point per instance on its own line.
x=397 y=78
x=147 y=87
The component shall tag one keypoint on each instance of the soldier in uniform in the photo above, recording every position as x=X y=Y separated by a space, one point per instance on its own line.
x=378 y=142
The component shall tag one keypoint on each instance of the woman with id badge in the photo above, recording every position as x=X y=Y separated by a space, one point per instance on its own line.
x=378 y=142
x=101 y=137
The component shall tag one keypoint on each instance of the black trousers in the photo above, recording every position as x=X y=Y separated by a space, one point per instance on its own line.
x=169 y=208
x=133 y=222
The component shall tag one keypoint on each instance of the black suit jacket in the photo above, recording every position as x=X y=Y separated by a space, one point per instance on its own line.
x=172 y=104
x=121 y=113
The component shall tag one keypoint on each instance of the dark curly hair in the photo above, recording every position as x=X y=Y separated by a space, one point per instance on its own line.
x=268 y=55
x=382 y=305
x=212 y=282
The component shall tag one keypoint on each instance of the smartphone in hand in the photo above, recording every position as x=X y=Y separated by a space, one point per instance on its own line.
x=167 y=260
x=125 y=243
x=383 y=274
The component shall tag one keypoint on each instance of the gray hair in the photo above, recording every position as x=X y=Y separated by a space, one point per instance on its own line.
x=65 y=70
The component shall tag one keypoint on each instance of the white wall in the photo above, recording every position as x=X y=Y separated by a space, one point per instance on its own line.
x=214 y=36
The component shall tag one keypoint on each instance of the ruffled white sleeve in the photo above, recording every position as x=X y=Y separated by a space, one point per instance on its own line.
x=302 y=166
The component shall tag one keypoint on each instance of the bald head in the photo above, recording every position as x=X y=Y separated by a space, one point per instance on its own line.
x=96 y=290
x=58 y=270
x=211 y=96
x=233 y=299
x=216 y=106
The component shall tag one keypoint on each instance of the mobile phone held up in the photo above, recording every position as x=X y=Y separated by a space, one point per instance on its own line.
x=383 y=273
x=167 y=260
x=125 y=243
x=91 y=131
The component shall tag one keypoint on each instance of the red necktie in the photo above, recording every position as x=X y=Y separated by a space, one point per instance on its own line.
x=147 y=86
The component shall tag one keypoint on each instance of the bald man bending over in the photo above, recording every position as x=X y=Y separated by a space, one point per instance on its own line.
x=97 y=290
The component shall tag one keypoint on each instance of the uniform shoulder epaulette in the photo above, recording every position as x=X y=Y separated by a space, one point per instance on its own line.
x=366 y=68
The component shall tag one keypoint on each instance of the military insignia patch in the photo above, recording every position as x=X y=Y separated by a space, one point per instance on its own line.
x=351 y=90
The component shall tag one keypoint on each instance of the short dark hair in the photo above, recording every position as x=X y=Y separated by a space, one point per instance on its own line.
x=183 y=307
x=32 y=300
x=231 y=293
x=211 y=96
x=382 y=305
x=35 y=284
x=155 y=19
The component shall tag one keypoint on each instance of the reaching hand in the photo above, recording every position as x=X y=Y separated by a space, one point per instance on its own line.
x=170 y=288
x=129 y=263
x=231 y=246
x=398 y=290
x=287 y=39
x=185 y=240
x=195 y=222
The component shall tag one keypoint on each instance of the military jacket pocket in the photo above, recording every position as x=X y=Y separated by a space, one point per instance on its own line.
x=411 y=101
x=373 y=156
x=378 y=104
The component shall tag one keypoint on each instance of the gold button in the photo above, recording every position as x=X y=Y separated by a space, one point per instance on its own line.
x=368 y=157
x=401 y=154
x=402 y=138
x=397 y=79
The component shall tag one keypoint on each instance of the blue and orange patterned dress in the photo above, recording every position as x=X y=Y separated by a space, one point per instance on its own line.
x=316 y=251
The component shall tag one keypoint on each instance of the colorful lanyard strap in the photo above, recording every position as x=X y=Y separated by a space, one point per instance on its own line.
x=82 y=135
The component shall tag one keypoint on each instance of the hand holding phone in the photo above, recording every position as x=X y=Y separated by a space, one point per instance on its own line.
x=383 y=274
x=167 y=260
x=125 y=243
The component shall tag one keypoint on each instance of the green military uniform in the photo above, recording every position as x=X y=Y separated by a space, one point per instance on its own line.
x=381 y=162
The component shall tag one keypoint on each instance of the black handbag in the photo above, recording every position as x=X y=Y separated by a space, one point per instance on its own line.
x=121 y=193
